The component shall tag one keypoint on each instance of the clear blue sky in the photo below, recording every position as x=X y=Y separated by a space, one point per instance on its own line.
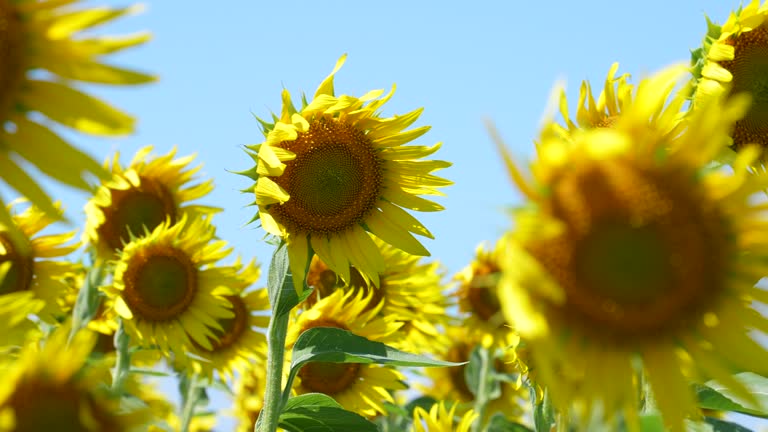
x=219 y=62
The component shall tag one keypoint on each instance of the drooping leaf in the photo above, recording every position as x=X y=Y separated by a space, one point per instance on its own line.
x=317 y=412
x=499 y=423
x=716 y=396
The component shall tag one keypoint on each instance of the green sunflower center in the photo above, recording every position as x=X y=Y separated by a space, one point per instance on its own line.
x=749 y=68
x=329 y=378
x=231 y=328
x=644 y=251
x=41 y=406
x=12 y=53
x=135 y=209
x=160 y=283
x=18 y=276
x=334 y=181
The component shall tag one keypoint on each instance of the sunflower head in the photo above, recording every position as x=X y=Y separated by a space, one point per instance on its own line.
x=631 y=247
x=27 y=254
x=333 y=172
x=732 y=58
x=151 y=190
x=168 y=290
x=64 y=395
x=441 y=419
x=44 y=54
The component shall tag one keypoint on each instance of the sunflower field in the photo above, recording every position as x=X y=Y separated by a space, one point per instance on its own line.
x=601 y=271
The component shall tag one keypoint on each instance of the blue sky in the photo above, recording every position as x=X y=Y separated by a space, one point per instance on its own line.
x=221 y=62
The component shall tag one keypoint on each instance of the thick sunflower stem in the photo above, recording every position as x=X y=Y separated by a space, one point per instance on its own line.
x=481 y=398
x=192 y=393
x=123 y=360
x=270 y=414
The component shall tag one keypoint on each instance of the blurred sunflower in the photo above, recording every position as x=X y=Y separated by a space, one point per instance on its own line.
x=362 y=388
x=238 y=343
x=410 y=290
x=249 y=396
x=66 y=394
x=616 y=95
x=732 y=59
x=632 y=249
x=478 y=297
x=168 y=291
x=335 y=172
x=43 y=36
x=450 y=384
x=15 y=325
x=35 y=262
x=441 y=419
x=151 y=190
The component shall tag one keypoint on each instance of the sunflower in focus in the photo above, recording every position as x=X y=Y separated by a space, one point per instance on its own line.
x=168 y=290
x=40 y=39
x=732 y=59
x=409 y=289
x=35 y=262
x=632 y=252
x=151 y=190
x=361 y=388
x=249 y=396
x=478 y=297
x=591 y=113
x=441 y=419
x=67 y=394
x=238 y=343
x=334 y=172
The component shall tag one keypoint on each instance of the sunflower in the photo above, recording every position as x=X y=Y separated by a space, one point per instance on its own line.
x=40 y=39
x=616 y=95
x=477 y=294
x=67 y=394
x=151 y=190
x=362 y=388
x=15 y=325
x=249 y=396
x=238 y=343
x=168 y=291
x=335 y=171
x=732 y=59
x=632 y=252
x=441 y=419
x=31 y=267
x=410 y=290
x=449 y=383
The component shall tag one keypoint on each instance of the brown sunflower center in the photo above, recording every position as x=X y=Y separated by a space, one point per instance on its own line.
x=135 y=208
x=18 y=277
x=44 y=406
x=643 y=252
x=231 y=328
x=329 y=378
x=160 y=283
x=334 y=181
x=481 y=293
x=325 y=377
x=749 y=68
x=12 y=55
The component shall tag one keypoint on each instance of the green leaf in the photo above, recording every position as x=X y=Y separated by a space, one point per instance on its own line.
x=473 y=373
x=499 y=423
x=282 y=294
x=315 y=412
x=716 y=396
x=725 y=426
x=651 y=423
x=88 y=298
x=543 y=412
x=333 y=345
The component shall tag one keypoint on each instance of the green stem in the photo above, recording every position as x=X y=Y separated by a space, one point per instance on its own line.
x=123 y=360
x=481 y=398
x=190 y=398
x=273 y=402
